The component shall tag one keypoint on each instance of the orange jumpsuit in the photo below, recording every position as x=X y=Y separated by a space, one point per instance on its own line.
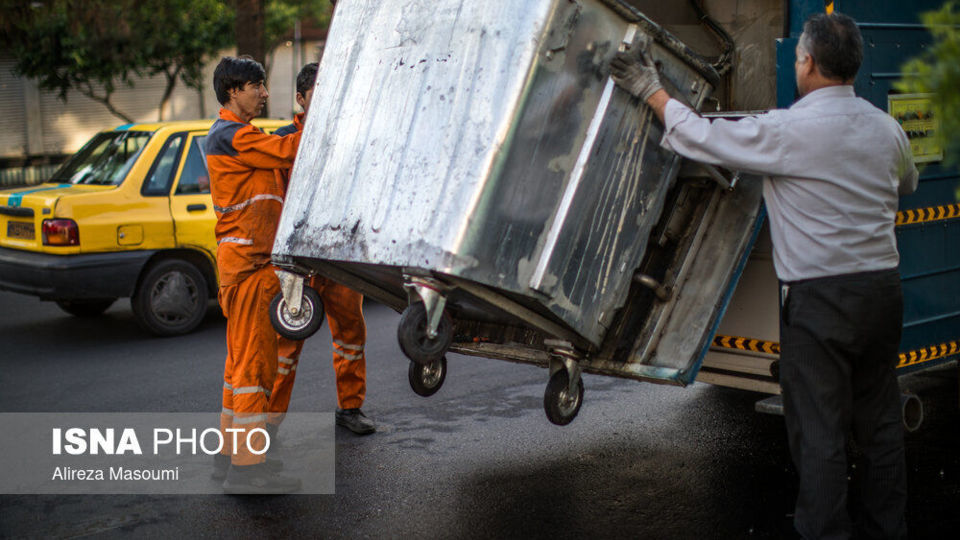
x=344 y=309
x=247 y=199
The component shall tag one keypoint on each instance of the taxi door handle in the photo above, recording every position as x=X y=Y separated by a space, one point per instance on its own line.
x=196 y=207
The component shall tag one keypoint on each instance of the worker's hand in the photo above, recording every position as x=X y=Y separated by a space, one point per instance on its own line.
x=638 y=76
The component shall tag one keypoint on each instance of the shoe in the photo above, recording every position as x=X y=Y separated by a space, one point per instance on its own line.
x=274 y=461
x=273 y=464
x=355 y=421
x=258 y=479
x=275 y=444
x=221 y=464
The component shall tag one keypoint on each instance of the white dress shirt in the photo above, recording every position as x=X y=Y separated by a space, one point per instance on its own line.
x=833 y=164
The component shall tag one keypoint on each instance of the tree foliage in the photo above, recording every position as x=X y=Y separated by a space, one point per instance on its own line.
x=183 y=35
x=68 y=45
x=283 y=14
x=937 y=71
x=92 y=46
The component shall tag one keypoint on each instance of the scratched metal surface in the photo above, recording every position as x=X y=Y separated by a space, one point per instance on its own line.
x=484 y=141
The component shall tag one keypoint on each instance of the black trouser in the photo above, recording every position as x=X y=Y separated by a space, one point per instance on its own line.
x=840 y=337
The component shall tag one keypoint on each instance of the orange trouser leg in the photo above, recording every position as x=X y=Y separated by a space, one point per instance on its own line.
x=251 y=365
x=344 y=308
x=288 y=355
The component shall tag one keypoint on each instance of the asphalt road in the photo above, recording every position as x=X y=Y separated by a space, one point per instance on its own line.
x=476 y=460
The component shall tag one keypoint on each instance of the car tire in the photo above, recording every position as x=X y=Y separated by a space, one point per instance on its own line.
x=86 y=308
x=171 y=299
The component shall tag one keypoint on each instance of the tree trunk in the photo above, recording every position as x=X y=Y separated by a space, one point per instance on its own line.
x=168 y=91
x=250 y=31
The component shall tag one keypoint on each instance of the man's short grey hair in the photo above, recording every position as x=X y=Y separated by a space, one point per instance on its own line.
x=835 y=43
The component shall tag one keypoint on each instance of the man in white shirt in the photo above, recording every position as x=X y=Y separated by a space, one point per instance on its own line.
x=834 y=166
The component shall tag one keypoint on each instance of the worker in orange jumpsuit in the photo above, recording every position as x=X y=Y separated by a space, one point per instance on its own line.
x=344 y=309
x=248 y=200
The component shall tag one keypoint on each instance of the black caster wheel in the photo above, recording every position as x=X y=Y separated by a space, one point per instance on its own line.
x=427 y=379
x=302 y=325
x=412 y=335
x=560 y=405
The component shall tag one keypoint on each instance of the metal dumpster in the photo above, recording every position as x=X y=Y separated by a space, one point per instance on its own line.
x=473 y=165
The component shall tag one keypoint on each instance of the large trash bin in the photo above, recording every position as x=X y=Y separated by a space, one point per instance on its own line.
x=473 y=164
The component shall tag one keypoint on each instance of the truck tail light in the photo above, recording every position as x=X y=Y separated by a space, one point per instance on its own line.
x=60 y=232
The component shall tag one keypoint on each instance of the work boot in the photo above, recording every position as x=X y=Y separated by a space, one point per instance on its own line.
x=272 y=431
x=258 y=479
x=221 y=464
x=274 y=462
x=355 y=421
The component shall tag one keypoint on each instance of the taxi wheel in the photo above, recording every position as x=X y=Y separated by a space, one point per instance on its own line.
x=412 y=335
x=171 y=298
x=425 y=380
x=86 y=308
x=302 y=325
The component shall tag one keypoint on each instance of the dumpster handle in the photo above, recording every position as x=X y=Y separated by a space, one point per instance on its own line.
x=662 y=292
x=719 y=178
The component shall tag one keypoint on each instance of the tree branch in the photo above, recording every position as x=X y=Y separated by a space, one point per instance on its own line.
x=105 y=101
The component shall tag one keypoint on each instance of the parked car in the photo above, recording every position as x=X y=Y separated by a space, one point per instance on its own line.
x=128 y=216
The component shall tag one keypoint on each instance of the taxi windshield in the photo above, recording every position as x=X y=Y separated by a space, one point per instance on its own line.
x=104 y=160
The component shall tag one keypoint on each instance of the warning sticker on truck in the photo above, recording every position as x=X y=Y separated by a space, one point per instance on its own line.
x=916 y=116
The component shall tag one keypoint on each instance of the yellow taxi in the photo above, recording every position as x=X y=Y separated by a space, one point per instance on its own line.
x=128 y=216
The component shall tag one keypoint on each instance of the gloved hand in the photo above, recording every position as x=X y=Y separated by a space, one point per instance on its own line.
x=638 y=76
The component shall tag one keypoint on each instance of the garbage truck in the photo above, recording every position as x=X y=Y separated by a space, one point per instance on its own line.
x=473 y=166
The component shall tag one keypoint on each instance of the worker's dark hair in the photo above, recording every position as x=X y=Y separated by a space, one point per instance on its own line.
x=835 y=43
x=306 y=78
x=236 y=72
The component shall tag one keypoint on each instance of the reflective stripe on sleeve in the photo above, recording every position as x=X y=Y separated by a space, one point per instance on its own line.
x=248 y=202
x=350 y=356
x=235 y=240
x=227 y=386
x=226 y=411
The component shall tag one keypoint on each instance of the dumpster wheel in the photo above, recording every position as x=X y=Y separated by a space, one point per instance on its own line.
x=301 y=325
x=413 y=338
x=426 y=379
x=560 y=404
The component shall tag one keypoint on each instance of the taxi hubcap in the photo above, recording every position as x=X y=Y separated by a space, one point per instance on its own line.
x=174 y=297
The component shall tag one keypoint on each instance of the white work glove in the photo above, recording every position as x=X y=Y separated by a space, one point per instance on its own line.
x=638 y=76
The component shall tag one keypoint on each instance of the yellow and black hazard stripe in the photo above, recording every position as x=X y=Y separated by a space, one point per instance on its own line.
x=746 y=344
x=911 y=358
x=929 y=353
x=926 y=215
